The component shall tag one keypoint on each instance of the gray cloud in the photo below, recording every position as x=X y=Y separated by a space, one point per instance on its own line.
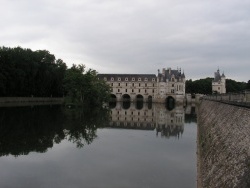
x=135 y=36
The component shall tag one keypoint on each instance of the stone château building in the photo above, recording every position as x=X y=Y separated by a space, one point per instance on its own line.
x=168 y=84
x=219 y=83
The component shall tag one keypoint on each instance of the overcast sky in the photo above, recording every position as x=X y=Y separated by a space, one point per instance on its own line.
x=135 y=36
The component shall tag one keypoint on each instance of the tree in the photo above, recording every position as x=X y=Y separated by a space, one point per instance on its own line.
x=85 y=87
x=248 y=85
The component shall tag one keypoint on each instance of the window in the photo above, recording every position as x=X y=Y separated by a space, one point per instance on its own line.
x=126 y=79
x=133 y=84
x=112 y=84
x=139 y=84
x=153 y=79
x=119 y=79
x=145 y=84
x=145 y=91
x=153 y=91
x=105 y=78
x=132 y=90
x=139 y=90
x=126 y=84
x=146 y=79
x=139 y=79
x=119 y=84
x=126 y=90
x=118 y=90
x=153 y=85
x=112 y=79
x=133 y=79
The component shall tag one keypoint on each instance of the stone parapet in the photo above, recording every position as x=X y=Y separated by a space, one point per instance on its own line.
x=223 y=145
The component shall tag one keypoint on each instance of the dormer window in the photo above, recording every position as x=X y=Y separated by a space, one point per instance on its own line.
x=133 y=79
x=126 y=79
x=112 y=79
x=119 y=79
x=139 y=79
x=153 y=79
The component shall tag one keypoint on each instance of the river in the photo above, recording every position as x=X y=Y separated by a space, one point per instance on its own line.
x=128 y=146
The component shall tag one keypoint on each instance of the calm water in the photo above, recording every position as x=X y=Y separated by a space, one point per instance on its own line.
x=129 y=146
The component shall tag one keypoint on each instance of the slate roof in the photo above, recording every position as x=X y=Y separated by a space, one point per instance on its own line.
x=129 y=77
x=217 y=76
x=169 y=73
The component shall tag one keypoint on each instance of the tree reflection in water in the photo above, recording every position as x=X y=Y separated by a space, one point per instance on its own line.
x=27 y=129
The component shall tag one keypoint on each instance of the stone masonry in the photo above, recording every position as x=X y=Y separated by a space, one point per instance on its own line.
x=223 y=145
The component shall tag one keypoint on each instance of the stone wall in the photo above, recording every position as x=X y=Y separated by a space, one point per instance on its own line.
x=23 y=101
x=223 y=145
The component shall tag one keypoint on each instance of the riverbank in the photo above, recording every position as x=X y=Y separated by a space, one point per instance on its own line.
x=26 y=101
x=223 y=145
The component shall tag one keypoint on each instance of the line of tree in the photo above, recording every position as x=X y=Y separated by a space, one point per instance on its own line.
x=27 y=73
x=204 y=86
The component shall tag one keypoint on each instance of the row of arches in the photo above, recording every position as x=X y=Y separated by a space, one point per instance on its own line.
x=169 y=101
x=126 y=97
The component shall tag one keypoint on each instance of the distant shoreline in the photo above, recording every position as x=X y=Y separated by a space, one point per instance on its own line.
x=27 y=101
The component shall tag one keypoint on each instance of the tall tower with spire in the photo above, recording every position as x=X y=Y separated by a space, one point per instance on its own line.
x=219 y=83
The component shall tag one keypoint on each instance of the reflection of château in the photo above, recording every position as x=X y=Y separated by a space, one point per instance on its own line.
x=148 y=116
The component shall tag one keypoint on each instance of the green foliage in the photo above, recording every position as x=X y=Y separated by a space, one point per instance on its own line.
x=202 y=86
x=27 y=73
x=248 y=85
x=234 y=86
x=85 y=87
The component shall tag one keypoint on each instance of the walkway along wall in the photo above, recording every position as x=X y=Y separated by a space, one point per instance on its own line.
x=223 y=145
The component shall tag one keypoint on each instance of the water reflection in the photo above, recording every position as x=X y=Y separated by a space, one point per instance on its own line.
x=26 y=129
x=35 y=129
x=167 y=120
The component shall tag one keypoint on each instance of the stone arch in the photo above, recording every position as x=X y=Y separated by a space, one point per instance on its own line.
x=139 y=97
x=170 y=103
x=113 y=97
x=126 y=98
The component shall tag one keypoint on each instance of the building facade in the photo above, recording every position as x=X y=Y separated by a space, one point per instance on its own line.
x=168 y=84
x=219 y=83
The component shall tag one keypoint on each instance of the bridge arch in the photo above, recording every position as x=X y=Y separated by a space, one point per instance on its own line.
x=139 y=97
x=113 y=97
x=126 y=98
x=170 y=103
